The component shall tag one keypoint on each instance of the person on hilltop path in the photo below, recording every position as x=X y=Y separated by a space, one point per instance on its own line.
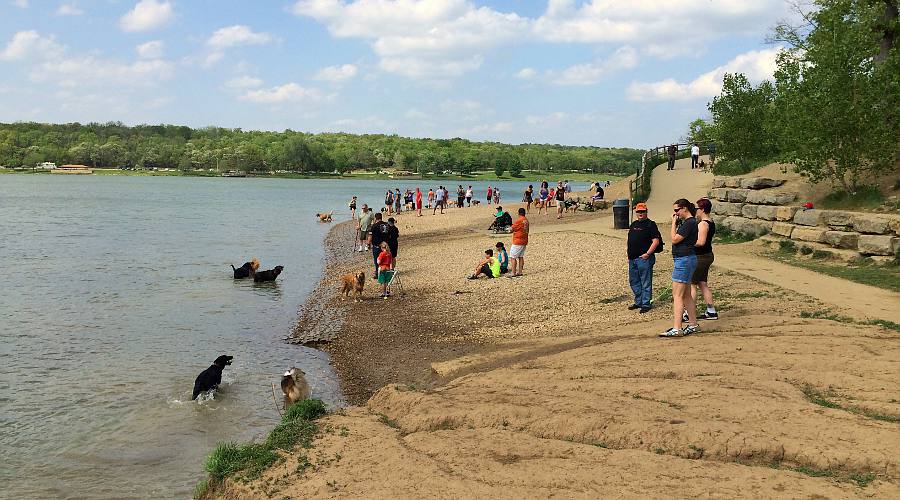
x=490 y=195
x=519 y=242
x=684 y=238
x=643 y=240
x=469 y=195
x=419 y=201
x=672 y=150
x=706 y=229
x=362 y=226
x=695 y=156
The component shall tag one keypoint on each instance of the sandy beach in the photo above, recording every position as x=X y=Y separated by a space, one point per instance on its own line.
x=546 y=385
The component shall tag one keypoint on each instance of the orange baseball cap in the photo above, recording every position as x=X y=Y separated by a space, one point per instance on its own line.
x=640 y=206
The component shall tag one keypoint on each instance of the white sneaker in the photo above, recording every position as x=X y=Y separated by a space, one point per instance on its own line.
x=692 y=329
x=672 y=332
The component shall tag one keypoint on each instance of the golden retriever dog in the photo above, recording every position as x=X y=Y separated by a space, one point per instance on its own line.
x=353 y=282
x=325 y=217
x=294 y=386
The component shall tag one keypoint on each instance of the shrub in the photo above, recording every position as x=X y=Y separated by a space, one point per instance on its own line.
x=806 y=250
x=787 y=246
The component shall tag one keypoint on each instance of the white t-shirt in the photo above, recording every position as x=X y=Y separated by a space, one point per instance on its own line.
x=439 y=195
x=695 y=150
x=468 y=193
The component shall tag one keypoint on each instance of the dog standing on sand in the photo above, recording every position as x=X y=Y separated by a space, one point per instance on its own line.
x=353 y=282
x=211 y=377
x=247 y=270
x=294 y=386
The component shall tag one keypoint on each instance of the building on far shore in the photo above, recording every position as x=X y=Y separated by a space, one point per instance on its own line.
x=72 y=169
x=47 y=165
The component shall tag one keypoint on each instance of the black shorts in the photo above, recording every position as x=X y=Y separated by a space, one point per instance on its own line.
x=701 y=272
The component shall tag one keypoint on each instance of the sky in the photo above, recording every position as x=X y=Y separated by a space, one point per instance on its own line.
x=609 y=73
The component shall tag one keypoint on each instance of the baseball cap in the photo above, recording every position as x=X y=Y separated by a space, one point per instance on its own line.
x=640 y=206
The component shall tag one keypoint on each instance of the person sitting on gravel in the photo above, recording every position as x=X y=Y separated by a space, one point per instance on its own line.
x=502 y=221
x=503 y=257
x=489 y=266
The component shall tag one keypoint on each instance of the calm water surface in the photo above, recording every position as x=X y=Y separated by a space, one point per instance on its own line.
x=118 y=292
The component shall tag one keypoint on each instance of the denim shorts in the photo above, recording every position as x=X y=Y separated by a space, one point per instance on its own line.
x=684 y=268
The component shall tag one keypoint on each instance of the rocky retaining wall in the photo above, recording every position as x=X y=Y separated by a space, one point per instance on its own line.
x=754 y=206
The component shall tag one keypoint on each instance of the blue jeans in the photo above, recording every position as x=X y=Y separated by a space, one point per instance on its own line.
x=640 y=276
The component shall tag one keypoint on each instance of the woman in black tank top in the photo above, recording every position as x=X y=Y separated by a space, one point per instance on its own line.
x=706 y=229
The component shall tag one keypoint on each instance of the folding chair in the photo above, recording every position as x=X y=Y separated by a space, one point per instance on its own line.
x=395 y=282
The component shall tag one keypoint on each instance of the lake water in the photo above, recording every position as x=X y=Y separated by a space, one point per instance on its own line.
x=118 y=292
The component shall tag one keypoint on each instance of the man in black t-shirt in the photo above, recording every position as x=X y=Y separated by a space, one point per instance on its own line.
x=393 y=239
x=378 y=232
x=643 y=240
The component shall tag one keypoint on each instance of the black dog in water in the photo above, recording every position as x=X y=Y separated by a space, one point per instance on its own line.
x=211 y=377
x=247 y=270
x=268 y=275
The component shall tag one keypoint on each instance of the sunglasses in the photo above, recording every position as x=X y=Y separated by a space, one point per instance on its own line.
x=678 y=209
x=640 y=211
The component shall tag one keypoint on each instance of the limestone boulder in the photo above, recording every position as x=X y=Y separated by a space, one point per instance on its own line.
x=876 y=244
x=733 y=182
x=808 y=217
x=842 y=239
x=749 y=210
x=768 y=198
x=718 y=182
x=757 y=228
x=782 y=229
x=785 y=213
x=808 y=234
x=871 y=224
x=737 y=195
x=726 y=208
x=767 y=212
x=760 y=182
x=895 y=225
x=837 y=219
x=718 y=194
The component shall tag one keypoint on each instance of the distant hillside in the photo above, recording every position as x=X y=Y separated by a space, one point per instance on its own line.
x=114 y=145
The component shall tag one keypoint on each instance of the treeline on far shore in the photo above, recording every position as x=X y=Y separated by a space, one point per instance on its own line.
x=115 y=145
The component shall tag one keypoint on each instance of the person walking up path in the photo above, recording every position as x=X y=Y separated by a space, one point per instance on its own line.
x=672 y=150
x=519 y=241
x=684 y=238
x=643 y=240
x=695 y=155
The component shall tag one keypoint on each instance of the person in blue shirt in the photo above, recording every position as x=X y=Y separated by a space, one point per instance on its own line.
x=503 y=257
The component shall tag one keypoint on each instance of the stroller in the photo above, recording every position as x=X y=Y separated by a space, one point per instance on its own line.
x=501 y=223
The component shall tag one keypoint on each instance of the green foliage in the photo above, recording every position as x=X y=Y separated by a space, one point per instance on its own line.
x=296 y=428
x=744 y=117
x=731 y=167
x=838 y=105
x=864 y=197
x=113 y=145
x=701 y=132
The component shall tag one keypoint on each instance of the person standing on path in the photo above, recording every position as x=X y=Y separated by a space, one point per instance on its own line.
x=560 y=199
x=706 y=229
x=695 y=156
x=519 y=242
x=490 y=194
x=362 y=227
x=439 y=200
x=378 y=234
x=643 y=240
x=352 y=206
x=419 y=201
x=469 y=195
x=684 y=238
x=672 y=151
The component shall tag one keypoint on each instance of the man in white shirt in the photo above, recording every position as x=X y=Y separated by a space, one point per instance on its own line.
x=439 y=199
x=695 y=155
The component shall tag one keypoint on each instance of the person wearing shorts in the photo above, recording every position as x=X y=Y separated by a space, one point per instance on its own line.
x=528 y=197
x=560 y=199
x=706 y=229
x=543 y=196
x=385 y=260
x=352 y=206
x=439 y=199
x=469 y=195
x=362 y=227
x=519 y=242
x=684 y=238
x=460 y=196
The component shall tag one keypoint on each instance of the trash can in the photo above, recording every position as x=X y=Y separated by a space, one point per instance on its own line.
x=620 y=213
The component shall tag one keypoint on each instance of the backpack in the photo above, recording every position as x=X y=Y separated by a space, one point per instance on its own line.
x=662 y=244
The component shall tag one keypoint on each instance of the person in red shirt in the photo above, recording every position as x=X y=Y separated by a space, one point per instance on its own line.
x=385 y=261
x=519 y=241
x=419 y=201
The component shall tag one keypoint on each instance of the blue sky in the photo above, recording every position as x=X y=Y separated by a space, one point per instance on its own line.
x=577 y=72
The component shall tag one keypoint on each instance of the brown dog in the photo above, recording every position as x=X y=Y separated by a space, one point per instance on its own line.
x=353 y=282
x=294 y=386
x=325 y=217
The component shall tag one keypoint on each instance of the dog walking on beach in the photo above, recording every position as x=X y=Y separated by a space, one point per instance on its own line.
x=353 y=282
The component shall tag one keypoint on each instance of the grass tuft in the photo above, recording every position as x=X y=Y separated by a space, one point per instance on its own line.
x=865 y=197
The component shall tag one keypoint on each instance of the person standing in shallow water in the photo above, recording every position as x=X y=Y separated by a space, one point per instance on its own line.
x=643 y=240
x=490 y=195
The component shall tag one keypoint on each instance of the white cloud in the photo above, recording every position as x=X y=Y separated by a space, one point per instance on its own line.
x=243 y=82
x=211 y=59
x=90 y=71
x=592 y=73
x=22 y=4
x=421 y=40
x=235 y=35
x=30 y=44
x=547 y=120
x=147 y=15
x=290 y=92
x=526 y=73
x=68 y=9
x=757 y=65
x=150 y=50
x=337 y=74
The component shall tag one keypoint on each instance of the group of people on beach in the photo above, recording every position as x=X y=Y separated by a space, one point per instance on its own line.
x=691 y=235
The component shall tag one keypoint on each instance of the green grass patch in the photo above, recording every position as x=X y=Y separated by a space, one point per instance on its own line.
x=885 y=276
x=247 y=461
x=865 y=197
x=725 y=236
x=736 y=167
x=826 y=314
x=825 y=399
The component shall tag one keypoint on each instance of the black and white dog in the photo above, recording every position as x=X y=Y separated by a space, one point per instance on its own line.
x=211 y=377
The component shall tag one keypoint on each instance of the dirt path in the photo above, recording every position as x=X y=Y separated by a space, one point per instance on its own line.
x=670 y=185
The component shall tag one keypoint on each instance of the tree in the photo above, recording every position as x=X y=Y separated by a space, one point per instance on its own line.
x=744 y=115
x=839 y=95
x=499 y=166
x=515 y=166
x=700 y=131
